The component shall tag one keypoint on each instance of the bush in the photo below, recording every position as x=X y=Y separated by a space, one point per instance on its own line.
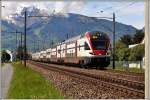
x=5 y=57
x=133 y=54
x=137 y=53
x=138 y=37
x=126 y=39
x=122 y=52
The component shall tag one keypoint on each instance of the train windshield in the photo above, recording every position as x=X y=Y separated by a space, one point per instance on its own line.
x=98 y=45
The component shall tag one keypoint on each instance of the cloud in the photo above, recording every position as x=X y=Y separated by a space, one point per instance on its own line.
x=48 y=6
x=89 y=8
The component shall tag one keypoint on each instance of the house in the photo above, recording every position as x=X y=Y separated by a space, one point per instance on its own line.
x=137 y=64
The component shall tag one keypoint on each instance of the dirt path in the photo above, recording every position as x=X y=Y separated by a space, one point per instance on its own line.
x=6 y=75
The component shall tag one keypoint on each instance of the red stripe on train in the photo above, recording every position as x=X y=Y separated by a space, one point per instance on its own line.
x=87 y=34
x=95 y=52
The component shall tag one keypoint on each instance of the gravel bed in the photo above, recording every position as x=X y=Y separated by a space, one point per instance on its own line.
x=75 y=88
x=105 y=73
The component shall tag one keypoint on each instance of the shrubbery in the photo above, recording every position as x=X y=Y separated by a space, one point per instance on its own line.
x=137 y=52
x=129 y=54
x=5 y=57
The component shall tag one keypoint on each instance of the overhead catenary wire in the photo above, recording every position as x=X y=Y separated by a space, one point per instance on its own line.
x=119 y=9
x=111 y=7
x=125 y=7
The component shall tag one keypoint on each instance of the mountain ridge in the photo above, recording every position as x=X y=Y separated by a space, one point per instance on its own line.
x=58 y=26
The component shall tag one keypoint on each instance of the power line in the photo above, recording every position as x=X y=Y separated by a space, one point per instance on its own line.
x=118 y=10
x=125 y=7
x=109 y=8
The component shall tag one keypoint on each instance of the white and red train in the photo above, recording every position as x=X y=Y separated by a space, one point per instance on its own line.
x=90 y=49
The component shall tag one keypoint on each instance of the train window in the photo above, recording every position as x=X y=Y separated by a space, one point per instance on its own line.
x=98 y=45
x=86 y=46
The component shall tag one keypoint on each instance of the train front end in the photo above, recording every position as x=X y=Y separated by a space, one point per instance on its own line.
x=99 y=44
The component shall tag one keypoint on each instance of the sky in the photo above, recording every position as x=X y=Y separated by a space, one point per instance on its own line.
x=130 y=12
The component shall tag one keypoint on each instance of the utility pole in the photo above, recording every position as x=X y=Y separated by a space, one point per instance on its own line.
x=50 y=39
x=34 y=46
x=67 y=35
x=52 y=43
x=25 y=51
x=16 y=40
x=113 y=40
x=43 y=44
x=43 y=16
x=21 y=48
x=38 y=45
x=16 y=47
x=114 y=26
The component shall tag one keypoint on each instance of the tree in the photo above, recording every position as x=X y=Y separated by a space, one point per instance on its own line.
x=137 y=53
x=138 y=37
x=126 y=39
x=124 y=54
x=122 y=51
x=5 y=56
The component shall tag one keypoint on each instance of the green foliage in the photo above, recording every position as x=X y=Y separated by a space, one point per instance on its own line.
x=124 y=54
x=4 y=56
x=121 y=51
x=29 y=84
x=120 y=45
x=133 y=54
x=137 y=52
x=138 y=37
x=126 y=39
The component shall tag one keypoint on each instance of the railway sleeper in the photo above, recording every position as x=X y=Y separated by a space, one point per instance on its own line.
x=106 y=79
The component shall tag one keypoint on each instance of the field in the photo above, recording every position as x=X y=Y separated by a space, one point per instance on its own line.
x=29 y=84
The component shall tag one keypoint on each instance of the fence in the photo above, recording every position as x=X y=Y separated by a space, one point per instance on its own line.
x=129 y=64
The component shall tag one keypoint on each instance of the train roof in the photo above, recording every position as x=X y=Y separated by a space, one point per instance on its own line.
x=82 y=35
x=74 y=38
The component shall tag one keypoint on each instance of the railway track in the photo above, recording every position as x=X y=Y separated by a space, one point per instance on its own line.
x=130 y=76
x=137 y=77
x=133 y=88
x=129 y=73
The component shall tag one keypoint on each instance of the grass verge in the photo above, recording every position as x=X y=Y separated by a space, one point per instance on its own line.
x=29 y=84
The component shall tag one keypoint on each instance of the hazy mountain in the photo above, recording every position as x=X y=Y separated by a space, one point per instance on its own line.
x=57 y=26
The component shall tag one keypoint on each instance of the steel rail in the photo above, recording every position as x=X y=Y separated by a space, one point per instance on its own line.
x=88 y=77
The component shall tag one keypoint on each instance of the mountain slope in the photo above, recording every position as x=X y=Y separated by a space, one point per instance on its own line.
x=58 y=26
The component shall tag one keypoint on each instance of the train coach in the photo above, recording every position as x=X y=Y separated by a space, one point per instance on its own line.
x=90 y=49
